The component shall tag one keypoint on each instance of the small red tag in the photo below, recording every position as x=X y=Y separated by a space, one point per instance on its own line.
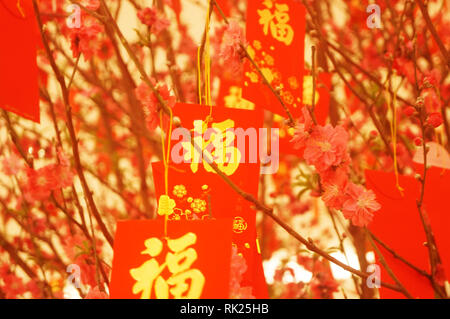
x=19 y=91
x=275 y=36
x=190 y=263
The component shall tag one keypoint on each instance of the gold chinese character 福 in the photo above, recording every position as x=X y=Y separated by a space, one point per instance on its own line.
x=217 y=148
x=184 y=282
x=277 y=21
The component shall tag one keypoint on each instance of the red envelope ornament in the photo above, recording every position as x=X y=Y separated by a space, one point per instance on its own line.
x=19 y=92
x=190 y=263
x=203 y=195
x=275 y=36
x=398 y=225
x=195 y=189
x=221 y=133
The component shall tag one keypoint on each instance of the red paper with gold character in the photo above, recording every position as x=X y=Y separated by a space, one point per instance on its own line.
x=230 y=95
x=204 y=195
x=398 y=224
x=192 y=262
x=275 y=36
x=19 y=91
x=195 y=188
x=227 y=127
x=195 y=194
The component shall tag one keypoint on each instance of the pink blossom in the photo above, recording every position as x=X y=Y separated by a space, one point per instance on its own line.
x=105 y=49
x=150 y=102
x=432 y=78
x=334 y=185
x=230 y=50
x=13 y=285
x=360 y=205
x=418 y=141
x=435 y=119
x=409 y=111
x=238 y=268
x=95 y=293
x=39 y=183
x=64 y=176
x=34 y=289
x=12 y=164
x=326 y=147
x=151 y=18
x=84 y=40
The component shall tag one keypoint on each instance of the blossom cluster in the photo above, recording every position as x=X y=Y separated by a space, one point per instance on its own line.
x=325 y=148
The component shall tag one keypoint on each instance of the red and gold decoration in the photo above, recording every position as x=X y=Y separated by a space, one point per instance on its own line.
x=19 y=91
x=275 y=36
x=187 y=263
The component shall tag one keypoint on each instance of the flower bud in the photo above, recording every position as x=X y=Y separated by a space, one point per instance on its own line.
x=434 y=119
x=409 y=111
x=418 y=141
x=420 y=102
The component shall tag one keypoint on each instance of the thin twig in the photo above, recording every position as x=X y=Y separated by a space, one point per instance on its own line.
x=388 y=269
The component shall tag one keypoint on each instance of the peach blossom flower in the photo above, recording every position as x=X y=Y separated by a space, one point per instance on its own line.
x=326 y=147
x=360 y=205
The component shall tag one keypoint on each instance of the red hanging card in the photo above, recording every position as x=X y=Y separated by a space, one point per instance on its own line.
x=398 y=225
x=438 y=208
x=19 y=92
x=275 y=36
x=192 y=263
x=195 y=187
x=232 y=125
x=185 y=187
x=188 y=113
x=204 y=195
x=194 y=175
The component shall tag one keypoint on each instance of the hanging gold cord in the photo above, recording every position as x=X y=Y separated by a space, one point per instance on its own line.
x=199 y=77
x=208 y=64
x=166 y=157
x=207 y=59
